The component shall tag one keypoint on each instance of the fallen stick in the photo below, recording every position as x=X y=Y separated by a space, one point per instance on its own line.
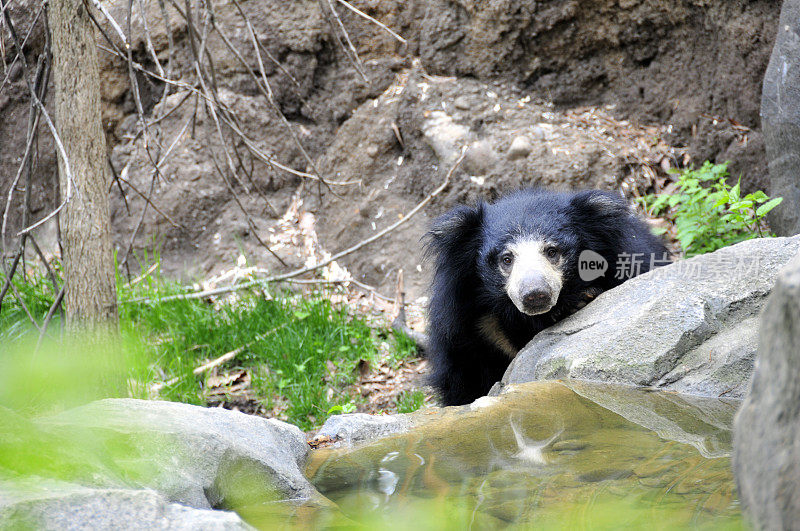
x=216 y=362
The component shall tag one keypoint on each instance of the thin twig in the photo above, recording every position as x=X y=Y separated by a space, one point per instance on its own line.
x=355 y=60
x=152 y=204
x=143 y=275
x=321 y=281
x=266 y=90
x=56 y=138
x=251 y=145
x=50 y=313
x=374 y=21
x=24 y=41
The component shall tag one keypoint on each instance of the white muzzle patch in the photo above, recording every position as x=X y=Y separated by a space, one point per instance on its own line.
x=534 y=281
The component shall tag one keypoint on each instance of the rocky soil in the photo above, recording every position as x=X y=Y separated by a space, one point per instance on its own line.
x=557 y=93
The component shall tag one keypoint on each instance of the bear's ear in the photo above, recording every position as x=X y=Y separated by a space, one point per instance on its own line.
x=455 y=228
x=598 y=205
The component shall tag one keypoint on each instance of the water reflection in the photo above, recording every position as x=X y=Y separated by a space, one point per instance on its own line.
x=546 y=455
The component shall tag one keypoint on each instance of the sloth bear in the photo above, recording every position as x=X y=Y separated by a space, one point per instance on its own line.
x=506 y=271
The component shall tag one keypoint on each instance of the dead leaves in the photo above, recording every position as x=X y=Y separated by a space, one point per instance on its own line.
x=382 y=385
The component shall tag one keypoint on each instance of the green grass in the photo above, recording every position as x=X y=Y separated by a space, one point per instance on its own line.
x=410 y=401
x=404 y=348
x=37 y=292
x=300 y=351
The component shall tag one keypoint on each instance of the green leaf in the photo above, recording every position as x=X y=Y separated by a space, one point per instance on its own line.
x=769 y=205
x=734 y=193
x=300 y=315
x=741 y=205
x=721 y=201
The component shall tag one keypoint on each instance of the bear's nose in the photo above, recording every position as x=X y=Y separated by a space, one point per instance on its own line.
x=536 y=299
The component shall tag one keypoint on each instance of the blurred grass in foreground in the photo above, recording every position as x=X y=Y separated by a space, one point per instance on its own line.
x=37 y=383
x=299 y=352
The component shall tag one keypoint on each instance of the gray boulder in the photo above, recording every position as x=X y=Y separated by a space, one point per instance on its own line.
x=766 y=454
x=780 y=120
x=690 y=326
x=198 y=456
x=58 y=505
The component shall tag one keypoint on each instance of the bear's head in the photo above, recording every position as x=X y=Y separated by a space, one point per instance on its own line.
x=525 y=247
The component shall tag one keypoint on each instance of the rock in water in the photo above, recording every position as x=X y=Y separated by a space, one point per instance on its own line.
x=767 y=428
x=780 y=119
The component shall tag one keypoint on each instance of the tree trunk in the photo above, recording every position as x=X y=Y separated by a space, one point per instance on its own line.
x=90 y=294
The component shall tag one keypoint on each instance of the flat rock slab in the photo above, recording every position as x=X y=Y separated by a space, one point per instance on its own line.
x=691 y=326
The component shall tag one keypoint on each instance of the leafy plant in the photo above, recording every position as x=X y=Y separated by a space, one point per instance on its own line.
x=710 y=214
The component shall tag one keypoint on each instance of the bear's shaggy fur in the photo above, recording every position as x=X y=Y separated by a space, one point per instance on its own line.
x=507 y=270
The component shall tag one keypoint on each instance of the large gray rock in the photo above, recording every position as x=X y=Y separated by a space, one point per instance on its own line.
x=690 y=326
x=780 y=120
x=197 y=456
x=767 y=429
x=59 y=505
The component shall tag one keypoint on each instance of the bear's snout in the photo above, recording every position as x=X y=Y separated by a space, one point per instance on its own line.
x=537 y=300
x=532 y=294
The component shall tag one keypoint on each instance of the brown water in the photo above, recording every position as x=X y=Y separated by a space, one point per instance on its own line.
x=547 y=455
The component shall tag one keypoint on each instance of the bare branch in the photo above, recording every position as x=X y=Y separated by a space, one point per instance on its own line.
x=371 y=19
x=152 y=204
x=266 y=90
x=56 y=138
x=50 y=313
x=114 y=23
x=355 y=59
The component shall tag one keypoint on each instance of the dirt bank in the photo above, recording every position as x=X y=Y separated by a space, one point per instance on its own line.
x=591 y=94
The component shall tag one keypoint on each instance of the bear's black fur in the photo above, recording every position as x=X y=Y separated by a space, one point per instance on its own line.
x=524 y=245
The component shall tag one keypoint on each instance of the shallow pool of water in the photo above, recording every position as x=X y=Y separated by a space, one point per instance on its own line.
x=550 y=455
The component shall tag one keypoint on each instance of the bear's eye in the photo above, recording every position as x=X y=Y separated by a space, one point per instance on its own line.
x=551 y=252
x=507 y=259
